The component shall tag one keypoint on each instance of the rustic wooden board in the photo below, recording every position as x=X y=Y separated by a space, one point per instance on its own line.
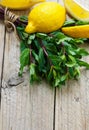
x=23 y=107
x=2 y=33
x=39 y=107
x=72 y=103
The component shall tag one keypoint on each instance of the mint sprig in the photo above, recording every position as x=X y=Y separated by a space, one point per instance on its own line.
x=54 y=57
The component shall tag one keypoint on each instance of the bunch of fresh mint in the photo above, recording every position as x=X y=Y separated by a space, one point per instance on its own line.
x=54 y=57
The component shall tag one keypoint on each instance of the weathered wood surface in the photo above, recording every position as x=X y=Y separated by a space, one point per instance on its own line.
x=39 y=107
x=2 y=32
x=23 y=107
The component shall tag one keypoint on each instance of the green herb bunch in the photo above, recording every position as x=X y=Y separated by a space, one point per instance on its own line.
x=54 y=57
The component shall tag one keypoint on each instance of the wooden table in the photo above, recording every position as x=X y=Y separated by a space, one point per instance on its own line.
x=39 y=107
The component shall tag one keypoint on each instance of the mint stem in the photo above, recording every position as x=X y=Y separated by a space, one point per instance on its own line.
x=31 y=57
x=45 y=51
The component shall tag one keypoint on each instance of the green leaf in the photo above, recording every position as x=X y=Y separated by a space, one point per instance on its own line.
x=63 y=40
x=32 y=36
x=70 y=64
x=59 y=35
x=22 y=46
x=57 y=82
x=72 y=58
x=77 y=72
x=20 y=28
x=51 y=47
x=24 y=18
x=64 y=77
x=24 y=59
x=55 y=59
x=83 y=63
x=29 y=41
x=41 y=35
x=78 y=41
x=41 y=60
x=71 y=72
x=63 y=57
x=54 y=74
x=25 y=35
x=71 y=51
x=81 y=22
x=36 y=43
x=82 y=52
x=20 y=34
x=50 y=74
x=33 y=73
x=36 y=57
x=68 y=23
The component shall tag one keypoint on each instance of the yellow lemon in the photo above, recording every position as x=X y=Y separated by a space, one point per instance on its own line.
x=79 y=9
x=81 y=31
x=19 y=4
x=46 y=17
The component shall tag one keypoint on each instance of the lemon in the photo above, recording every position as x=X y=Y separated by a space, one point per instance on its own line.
x=46 y=17
x=79 y=9
x=19 y=4
x=81 y=31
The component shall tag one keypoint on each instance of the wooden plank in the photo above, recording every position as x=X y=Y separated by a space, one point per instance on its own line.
x=23 y=107
x=72 y=103
x=2 y=33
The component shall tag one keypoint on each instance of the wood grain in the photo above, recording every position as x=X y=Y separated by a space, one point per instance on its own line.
x=2 y=31
x=72 y=103
x=39 y=107
x=23 y=107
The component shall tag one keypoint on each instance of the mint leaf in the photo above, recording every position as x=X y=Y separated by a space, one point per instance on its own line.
x=33 y=74
x=41 y=35
x=83 y=63
x=41 y=61
x=82 y=52
x=69 y=22
x=24 y=59
x=81 y=22
x=23 y=18
x=22 y=46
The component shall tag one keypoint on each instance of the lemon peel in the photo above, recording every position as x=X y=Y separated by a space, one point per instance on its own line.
x=21 y=4
x=81 y=31
x=46 y=17
x=31 y=28
x=76 y=10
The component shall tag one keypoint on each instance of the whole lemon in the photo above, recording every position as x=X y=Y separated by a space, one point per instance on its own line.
x=19 y=4
x=46 y=17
